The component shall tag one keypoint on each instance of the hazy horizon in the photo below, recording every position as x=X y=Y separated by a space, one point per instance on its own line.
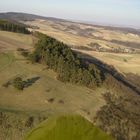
x=105 y=12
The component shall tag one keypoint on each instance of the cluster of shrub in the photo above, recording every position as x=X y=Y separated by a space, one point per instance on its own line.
x=13 y=126
x=118 y=118
x=66 y=63
x=20 y=84
x=17 y=82
x=13 y=27
x=23 y=52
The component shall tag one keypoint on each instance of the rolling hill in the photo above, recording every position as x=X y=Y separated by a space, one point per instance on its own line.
x=113 y=42
x=25 y=17
x=29 y=17
x=113 y=106
x=46 y=96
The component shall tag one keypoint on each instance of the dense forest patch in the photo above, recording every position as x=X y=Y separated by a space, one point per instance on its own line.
x=69 y=67
x=13 y=27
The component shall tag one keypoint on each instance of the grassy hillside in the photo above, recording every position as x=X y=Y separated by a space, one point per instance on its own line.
x=13 y=41
x=67 y=128
x=46 y=96
x=80 y=34
x=46 y=92
x=124 y=63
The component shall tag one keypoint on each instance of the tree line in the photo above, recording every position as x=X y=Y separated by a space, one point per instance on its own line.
x=13 y=27
x=66 y=63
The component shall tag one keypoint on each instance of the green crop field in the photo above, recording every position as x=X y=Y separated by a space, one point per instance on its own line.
x=67 y=128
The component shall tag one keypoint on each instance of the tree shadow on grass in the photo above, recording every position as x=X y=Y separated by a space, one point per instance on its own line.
x=30 y=82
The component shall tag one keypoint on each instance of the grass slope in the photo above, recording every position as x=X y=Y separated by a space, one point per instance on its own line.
x=66 y=97
x=46 y=97
x=125 y=63
x=12 y=41
x=67 y=128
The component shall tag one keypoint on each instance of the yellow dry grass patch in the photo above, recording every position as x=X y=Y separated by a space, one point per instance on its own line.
x=126 y=63
x=71 y=37
x=12 y=41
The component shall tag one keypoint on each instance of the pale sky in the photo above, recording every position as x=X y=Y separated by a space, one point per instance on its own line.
x=111 y=12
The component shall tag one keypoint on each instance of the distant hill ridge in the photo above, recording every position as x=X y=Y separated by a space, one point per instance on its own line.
x=29 y=17
x=24 y=16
